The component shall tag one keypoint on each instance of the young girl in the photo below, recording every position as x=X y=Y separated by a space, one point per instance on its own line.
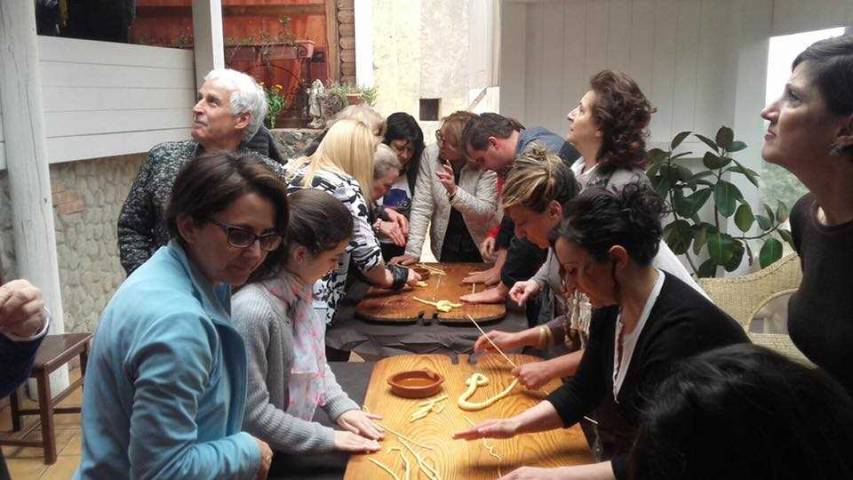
x=288 y=374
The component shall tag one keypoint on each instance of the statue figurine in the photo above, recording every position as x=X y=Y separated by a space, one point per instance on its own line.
x=315 y=104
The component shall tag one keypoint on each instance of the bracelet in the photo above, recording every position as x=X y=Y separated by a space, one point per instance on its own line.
x=400 y=274
x=540 y=343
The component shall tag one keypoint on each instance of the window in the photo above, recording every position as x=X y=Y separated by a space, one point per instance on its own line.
x=429 y=109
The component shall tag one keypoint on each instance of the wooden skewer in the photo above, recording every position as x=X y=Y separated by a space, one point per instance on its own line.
x=490 y=341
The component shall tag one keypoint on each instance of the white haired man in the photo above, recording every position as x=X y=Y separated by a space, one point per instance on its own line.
x=228 y=116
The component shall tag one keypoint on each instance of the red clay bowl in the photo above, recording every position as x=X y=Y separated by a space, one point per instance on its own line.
x=415 y=383
x=423 y=272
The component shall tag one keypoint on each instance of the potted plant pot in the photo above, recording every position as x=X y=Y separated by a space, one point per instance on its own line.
x=355 y=99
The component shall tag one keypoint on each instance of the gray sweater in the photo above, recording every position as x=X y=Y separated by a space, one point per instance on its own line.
x=267 y=330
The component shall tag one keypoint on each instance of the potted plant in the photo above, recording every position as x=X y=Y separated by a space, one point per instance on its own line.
x=276 y=103
x=687 y=192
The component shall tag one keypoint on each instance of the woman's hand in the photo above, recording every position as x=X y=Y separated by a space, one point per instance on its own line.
x=362 y=423
x=533 y=375
x=504 y=428
x=536 y=473
x=391 y=231
x=487 y=250
x=266 y=459
x=523 y=291
x=413 y=278
x=399 y=219
x=403 y=260
x=504 y=341
x=446 y=178
x=487 y=277
x=495 y=294
x=351 y=442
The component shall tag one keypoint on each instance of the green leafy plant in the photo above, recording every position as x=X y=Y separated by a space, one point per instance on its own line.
x=369 y=94
x=276 y=102
x=687 y=192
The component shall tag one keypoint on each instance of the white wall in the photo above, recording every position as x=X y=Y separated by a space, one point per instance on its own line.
x=102 y=99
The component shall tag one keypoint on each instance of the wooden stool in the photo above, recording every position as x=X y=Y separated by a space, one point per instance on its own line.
x=54 y=352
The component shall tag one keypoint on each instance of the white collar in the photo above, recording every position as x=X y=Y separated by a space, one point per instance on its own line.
x=629 y=340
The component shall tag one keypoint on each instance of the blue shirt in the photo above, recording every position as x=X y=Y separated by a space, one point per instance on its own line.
x=165 y=386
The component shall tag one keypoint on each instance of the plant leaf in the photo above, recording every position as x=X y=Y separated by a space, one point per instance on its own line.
x=714 y=162
x=707 y=141
x=744 y=217
x=770 y=214
x=736 y=146
x=781 y=212
x=653 y=169
x=763 y=222
x=726 y=196
x=737 y=256
x=681 y=155
x=678 y=236
x=700 y=237
x=725 y=137
x=657 y=155
x=720 y=248
x=676 y=141
x=786 y=235
x=683 y=173
x=708 y=269
x=770 y=252
x=750 y=175
x=689 y=205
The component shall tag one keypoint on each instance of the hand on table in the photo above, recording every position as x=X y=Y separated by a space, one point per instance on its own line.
x=493 y=295
x=351 y=442
x=414 y=278
x=403 y=260
x=536 y=473
x=362 y=423
x=487 y=250
x=504 y=341
x=533 y=375
x=21 y=309
x=523 y=291
x=487 y=277
x=266 y=459
x=502 y=428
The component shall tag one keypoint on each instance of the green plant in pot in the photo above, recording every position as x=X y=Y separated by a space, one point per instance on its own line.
x=687 y=192
x=276 y=102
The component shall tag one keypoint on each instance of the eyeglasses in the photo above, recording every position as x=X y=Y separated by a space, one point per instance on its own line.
x=239 y=237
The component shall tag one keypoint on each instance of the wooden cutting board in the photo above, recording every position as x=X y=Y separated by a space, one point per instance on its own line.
x=460 y=459
x=399 y=307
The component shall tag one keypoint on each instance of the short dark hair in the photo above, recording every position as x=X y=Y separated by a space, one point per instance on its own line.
x=745 y=412
x=600 y=218
x=318 y=221
x=480 y=127
x=402 y=126
x=210 y=183
x=830 y=64
x=623 y=114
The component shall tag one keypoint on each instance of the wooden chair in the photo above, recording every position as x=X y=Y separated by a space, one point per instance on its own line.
x=54 y=352
x=743 y=297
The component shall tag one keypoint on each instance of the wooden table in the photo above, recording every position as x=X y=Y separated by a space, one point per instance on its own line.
x=459 y=459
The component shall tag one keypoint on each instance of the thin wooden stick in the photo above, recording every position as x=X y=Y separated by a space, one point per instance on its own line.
x=490 y=341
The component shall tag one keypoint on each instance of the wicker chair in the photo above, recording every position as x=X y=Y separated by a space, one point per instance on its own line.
x=743 y=297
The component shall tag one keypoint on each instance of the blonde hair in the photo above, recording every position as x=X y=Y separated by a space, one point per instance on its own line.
x=452 y=126
x=537 y=178
x=347 y=148
x=363 y=113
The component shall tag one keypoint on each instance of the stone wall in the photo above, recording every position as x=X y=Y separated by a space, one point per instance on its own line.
x=346 y=40
x=87 y=198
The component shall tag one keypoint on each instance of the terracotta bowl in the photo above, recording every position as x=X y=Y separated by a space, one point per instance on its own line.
x=415 y=383
x=423 y=272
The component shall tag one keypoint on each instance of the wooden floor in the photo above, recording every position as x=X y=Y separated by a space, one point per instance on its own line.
x=27 y=463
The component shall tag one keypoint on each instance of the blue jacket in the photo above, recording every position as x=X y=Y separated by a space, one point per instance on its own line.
x=165 y=387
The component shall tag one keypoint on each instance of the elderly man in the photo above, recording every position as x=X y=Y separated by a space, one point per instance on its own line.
x=228 y=116
x=23 y=324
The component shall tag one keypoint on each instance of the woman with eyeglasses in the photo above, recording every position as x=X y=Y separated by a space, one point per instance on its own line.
x=165 y=387
x=289 y=378
x=644 y=321
x=454 y=198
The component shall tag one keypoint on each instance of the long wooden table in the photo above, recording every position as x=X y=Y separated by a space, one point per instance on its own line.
x=459 y=459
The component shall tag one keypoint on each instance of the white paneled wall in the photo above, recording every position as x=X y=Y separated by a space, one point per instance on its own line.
x=681 y=52
x=102 y=99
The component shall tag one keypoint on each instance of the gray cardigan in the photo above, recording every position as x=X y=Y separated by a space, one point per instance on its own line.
x=268 y=332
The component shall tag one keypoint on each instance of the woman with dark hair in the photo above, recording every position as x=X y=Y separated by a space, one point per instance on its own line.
x=455 y=199
x=745 y=413
x=404 y=135
x=811 y=134
x=165 y=387
x=644 y=320
x=288 y=374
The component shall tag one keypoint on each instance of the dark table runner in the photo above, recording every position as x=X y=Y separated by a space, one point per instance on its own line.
x=353 y=378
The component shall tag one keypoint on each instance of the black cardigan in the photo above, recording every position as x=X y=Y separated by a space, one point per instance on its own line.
x=681 y=323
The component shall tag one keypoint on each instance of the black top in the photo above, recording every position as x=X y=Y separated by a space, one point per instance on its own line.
x=681 y=323
x=458 y=245
x=820 y=313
